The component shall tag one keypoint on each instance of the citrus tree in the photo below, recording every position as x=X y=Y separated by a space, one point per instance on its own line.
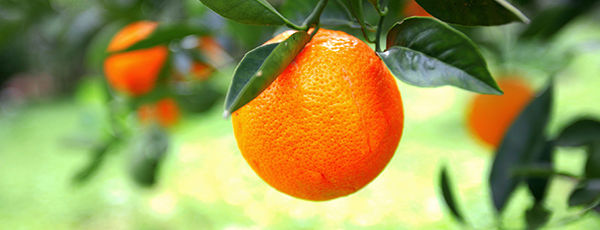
x=316 y=109
x=315 y=118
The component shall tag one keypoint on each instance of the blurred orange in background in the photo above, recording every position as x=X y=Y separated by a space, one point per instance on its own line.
x=214 y=54
x=165 y=112
x=489 y=116
x=134 y=72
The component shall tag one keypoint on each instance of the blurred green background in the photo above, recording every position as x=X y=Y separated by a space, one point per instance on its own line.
x=53 y=107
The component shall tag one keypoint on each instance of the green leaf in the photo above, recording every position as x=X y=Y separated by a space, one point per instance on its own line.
x=149 y=153
x=164 y=34
x=258 y=12
x=425 y=52
x=448 y=195
x=520 y=147
x=539 y=186
x=84 y=174
x=357 y=11
x=579 y=133
x=587 y=193
x=198 y=97
x=537 y=216
x=592 y=164
x=260 y=67
x=473 y=13
x=550 y=21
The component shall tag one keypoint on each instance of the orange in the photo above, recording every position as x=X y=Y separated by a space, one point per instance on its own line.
x=135 y=72
x=412 y=8
x=489 y=116
x=164 y=112
x=328 y=125
x=213 y=51
x=201 y=71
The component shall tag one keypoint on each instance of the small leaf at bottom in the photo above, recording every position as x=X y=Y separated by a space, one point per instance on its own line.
x=448 y=195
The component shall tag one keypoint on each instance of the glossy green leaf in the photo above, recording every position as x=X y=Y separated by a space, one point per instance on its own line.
x=473 y=13
x=425 y=52
x=549 y=22
x=260 y=67
x=579 y=133
x=537 y=216
x=149 y=153
x=520 y=147
x=586 y=193
x=592 y=164
x=448 y=195
x=258 y=12
x=539 y=186
x=336 y=15
x=164 y=34
x=356 y=9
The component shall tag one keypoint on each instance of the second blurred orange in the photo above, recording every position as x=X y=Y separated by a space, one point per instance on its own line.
x=164 y=112
x=489 y=116
x=134 y=72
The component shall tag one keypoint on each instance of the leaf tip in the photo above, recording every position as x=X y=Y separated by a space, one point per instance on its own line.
x=226 y=114
x=498 y=91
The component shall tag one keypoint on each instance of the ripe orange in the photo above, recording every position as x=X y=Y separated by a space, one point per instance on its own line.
x=201 y=71
x=489 y=116
x=412 y=8
x=213 y=51
x=328 y=125
x=134 y=72
x=164 y=112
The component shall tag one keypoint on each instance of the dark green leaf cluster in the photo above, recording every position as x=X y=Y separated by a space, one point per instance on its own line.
x=526 y=157
x=420 y=51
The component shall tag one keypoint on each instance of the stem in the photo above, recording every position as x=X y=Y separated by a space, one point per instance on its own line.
x=378 y=34
x=315 y=15
x=315 y=31
x=293 y=26
x=382 y=12
x=541 y=171
x=363 y=29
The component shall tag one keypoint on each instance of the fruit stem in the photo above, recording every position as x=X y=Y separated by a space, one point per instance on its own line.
x=314 y=16
x=315 y=31
x=378 y=33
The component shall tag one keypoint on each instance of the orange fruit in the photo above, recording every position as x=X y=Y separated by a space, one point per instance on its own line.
x=201 y=71
x=213 y=51
x=489 y=116
x=413 y=8
x=327 y=125
x=135 y=72
x=164 y=112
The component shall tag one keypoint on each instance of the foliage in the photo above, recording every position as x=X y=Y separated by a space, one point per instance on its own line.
x=447 y=49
